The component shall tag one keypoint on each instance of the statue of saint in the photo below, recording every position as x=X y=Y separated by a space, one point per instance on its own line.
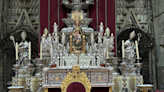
x=130 y=50
x=77 y=40
x=22 y=50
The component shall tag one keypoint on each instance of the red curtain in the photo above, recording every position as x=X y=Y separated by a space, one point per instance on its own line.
x=104 y=6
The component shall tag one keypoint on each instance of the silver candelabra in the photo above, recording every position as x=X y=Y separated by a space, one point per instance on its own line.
x=123 y=64
x=138 y=64
x=28 y=89
x=40 y=77
x=16 y=66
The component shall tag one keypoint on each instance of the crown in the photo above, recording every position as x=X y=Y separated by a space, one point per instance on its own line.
x=76 y=15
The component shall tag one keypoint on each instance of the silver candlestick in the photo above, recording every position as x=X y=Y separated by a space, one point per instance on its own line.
x=40 y=77
x=28 y=89
x=138 y=64
x=16 y=66
x=123 y=64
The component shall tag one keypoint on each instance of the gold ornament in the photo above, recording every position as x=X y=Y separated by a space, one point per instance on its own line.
x=76 y=15
x=77 y=29
x=76 y=76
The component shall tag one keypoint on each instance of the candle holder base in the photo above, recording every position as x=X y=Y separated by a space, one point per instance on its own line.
x=124 y=90
x=23 y=72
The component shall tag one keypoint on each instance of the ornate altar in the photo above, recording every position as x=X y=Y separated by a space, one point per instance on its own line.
x=98 y=77
x=75 y=45
x=76 y=78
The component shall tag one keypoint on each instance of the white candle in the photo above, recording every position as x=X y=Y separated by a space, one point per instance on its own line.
x=107 y=55
x=16 y=48
x=101 y=23
x=29 y=50
x=91 y=37
x=49 y=37
x=137 y=51
x=123 y=49
x=112 y=37
x=99 y=38
x=54 y=26
x=41 y=51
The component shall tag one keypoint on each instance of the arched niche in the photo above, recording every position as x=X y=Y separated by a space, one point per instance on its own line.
x=145 y=45
x=9 y=49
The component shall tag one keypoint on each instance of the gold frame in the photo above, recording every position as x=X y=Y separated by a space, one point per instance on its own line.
x=76 y=76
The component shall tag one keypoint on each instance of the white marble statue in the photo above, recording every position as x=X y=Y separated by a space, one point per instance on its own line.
x=22 y=50
x=130 y=50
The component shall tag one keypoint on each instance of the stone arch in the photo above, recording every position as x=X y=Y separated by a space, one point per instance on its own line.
x=9 y=50
x=145 y=45
x=31 y=36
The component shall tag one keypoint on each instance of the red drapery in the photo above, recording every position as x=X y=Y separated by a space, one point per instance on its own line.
x=105 y=7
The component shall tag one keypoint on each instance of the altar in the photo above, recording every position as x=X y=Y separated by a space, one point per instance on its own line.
x=77 y=45
x=98 y=77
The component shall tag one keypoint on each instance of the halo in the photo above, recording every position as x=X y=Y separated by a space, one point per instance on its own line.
x=76 y=15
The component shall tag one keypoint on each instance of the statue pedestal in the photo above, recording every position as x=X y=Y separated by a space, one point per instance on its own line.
x=130 y=71
x=15 y=88
x=22 y=81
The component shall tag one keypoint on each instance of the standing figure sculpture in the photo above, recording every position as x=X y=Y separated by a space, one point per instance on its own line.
x=130 y=50
x=77 y=40
x=22 y=50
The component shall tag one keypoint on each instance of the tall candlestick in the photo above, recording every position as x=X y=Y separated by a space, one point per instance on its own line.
x=123 y=49
x=16 y=48
x=99 y=38
x=137 y=51
x=41 y=51
x=29 y=50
